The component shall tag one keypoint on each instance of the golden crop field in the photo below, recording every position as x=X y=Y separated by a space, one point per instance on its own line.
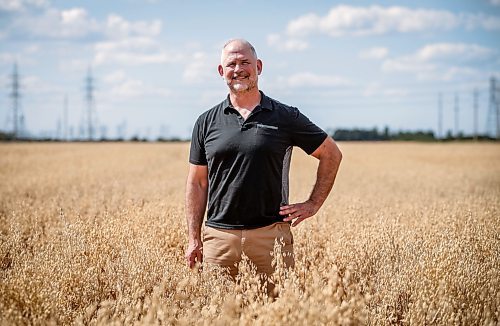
x=95 y=234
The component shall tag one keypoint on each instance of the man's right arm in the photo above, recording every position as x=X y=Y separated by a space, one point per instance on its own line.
x=196 y=202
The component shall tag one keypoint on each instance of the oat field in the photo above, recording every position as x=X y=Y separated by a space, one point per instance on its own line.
x=95 y=234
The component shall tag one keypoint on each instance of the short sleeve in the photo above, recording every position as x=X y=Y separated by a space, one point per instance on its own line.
x=197 y=154
x=304 y=133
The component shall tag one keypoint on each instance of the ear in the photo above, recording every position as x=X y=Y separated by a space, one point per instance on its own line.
x=259 y=66
x=221 y=71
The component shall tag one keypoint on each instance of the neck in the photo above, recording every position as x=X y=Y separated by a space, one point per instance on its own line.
x=247 y=100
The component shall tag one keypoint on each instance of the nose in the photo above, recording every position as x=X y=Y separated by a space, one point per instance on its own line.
x=237 y=68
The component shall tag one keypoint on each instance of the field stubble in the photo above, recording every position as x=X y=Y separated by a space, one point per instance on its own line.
x=95 y=233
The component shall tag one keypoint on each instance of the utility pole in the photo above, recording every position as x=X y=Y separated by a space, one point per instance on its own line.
x=15 y=95
x=475 y=96
x=89 y=88
x=456 y=116
x=440 y=116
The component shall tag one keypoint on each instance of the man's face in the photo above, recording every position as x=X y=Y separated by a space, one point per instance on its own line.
x=239 y=67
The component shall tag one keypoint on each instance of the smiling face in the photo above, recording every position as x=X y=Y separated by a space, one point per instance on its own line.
x=240 y=67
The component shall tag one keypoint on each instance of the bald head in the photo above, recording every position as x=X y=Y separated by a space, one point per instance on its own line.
x=239 y=66
x=237 y=45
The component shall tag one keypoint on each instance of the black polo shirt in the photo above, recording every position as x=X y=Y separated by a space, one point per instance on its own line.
x=248 y=160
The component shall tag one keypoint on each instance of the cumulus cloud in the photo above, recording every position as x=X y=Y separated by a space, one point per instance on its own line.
x=200 y=68
x=76 y=23
x=428 y=56
x=24 y=56
x=347 y=20
x=132 y=51
x=33 y=84
x=117 y=27
x=21 y=5
x=461 y=51
x=131 y=43
x=374 y=53
x=441 y=61
x=57 y=24
x=289 y=44
x=124 y=87
x=308 y=79
x=116 y=39
x=376 y=89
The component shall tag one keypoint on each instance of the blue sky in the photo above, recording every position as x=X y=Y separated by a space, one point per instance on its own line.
x=344 y=64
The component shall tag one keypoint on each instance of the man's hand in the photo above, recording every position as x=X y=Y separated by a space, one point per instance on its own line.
x=194 y=253
x=299 y=211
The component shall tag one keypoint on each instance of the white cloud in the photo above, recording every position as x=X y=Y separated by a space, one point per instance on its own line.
x=73 y=65
x=117 y=27
x=58 y=24
x=23 y=57
x=132 y=51
x=428 y=57
x=76 y=23
x=441 y=61
x=20 y=5
x=347 y=20
x=461 y=51
x=374 y=53
x=495 y=2
x=489 y=23
x=7 y=58
x=35 y=85
x=115 y=77
x=118 y=40
x=200 y=68
x=290 y=44
x=376 y=89
x=124 y=87
x=308 y=79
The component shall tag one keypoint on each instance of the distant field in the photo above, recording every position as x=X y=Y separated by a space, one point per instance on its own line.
x=95 y=233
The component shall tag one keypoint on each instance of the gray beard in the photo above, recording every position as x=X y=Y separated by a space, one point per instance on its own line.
x=251 y=86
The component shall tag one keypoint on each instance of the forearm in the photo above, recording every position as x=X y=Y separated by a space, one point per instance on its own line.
x=196 y=201
x=328 y=167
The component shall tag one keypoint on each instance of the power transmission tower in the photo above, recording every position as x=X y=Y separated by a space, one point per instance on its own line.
x=65 y=118
x=440 y=116
x=457 y=109
x=18 y=119
x=475 y=96
x=89 y=96
x=493 y=122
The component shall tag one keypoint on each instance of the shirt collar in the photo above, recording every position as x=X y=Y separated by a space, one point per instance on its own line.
x=265 y=103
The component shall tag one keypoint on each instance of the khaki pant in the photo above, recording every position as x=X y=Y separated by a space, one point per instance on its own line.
x=225 y=247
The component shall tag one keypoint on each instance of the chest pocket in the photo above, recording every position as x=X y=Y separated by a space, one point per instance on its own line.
x=268 y=137
x=267 y=129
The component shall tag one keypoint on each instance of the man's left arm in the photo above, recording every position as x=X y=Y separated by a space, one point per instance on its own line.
x=329 y=157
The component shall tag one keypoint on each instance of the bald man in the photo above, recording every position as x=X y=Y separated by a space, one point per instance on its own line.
x=239 y=163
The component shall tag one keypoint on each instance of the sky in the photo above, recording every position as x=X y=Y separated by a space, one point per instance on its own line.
x=353 y=64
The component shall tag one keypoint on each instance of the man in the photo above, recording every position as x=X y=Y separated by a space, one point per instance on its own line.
x=239 y=161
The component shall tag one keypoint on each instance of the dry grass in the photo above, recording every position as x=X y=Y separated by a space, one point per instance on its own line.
x=95 y=233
